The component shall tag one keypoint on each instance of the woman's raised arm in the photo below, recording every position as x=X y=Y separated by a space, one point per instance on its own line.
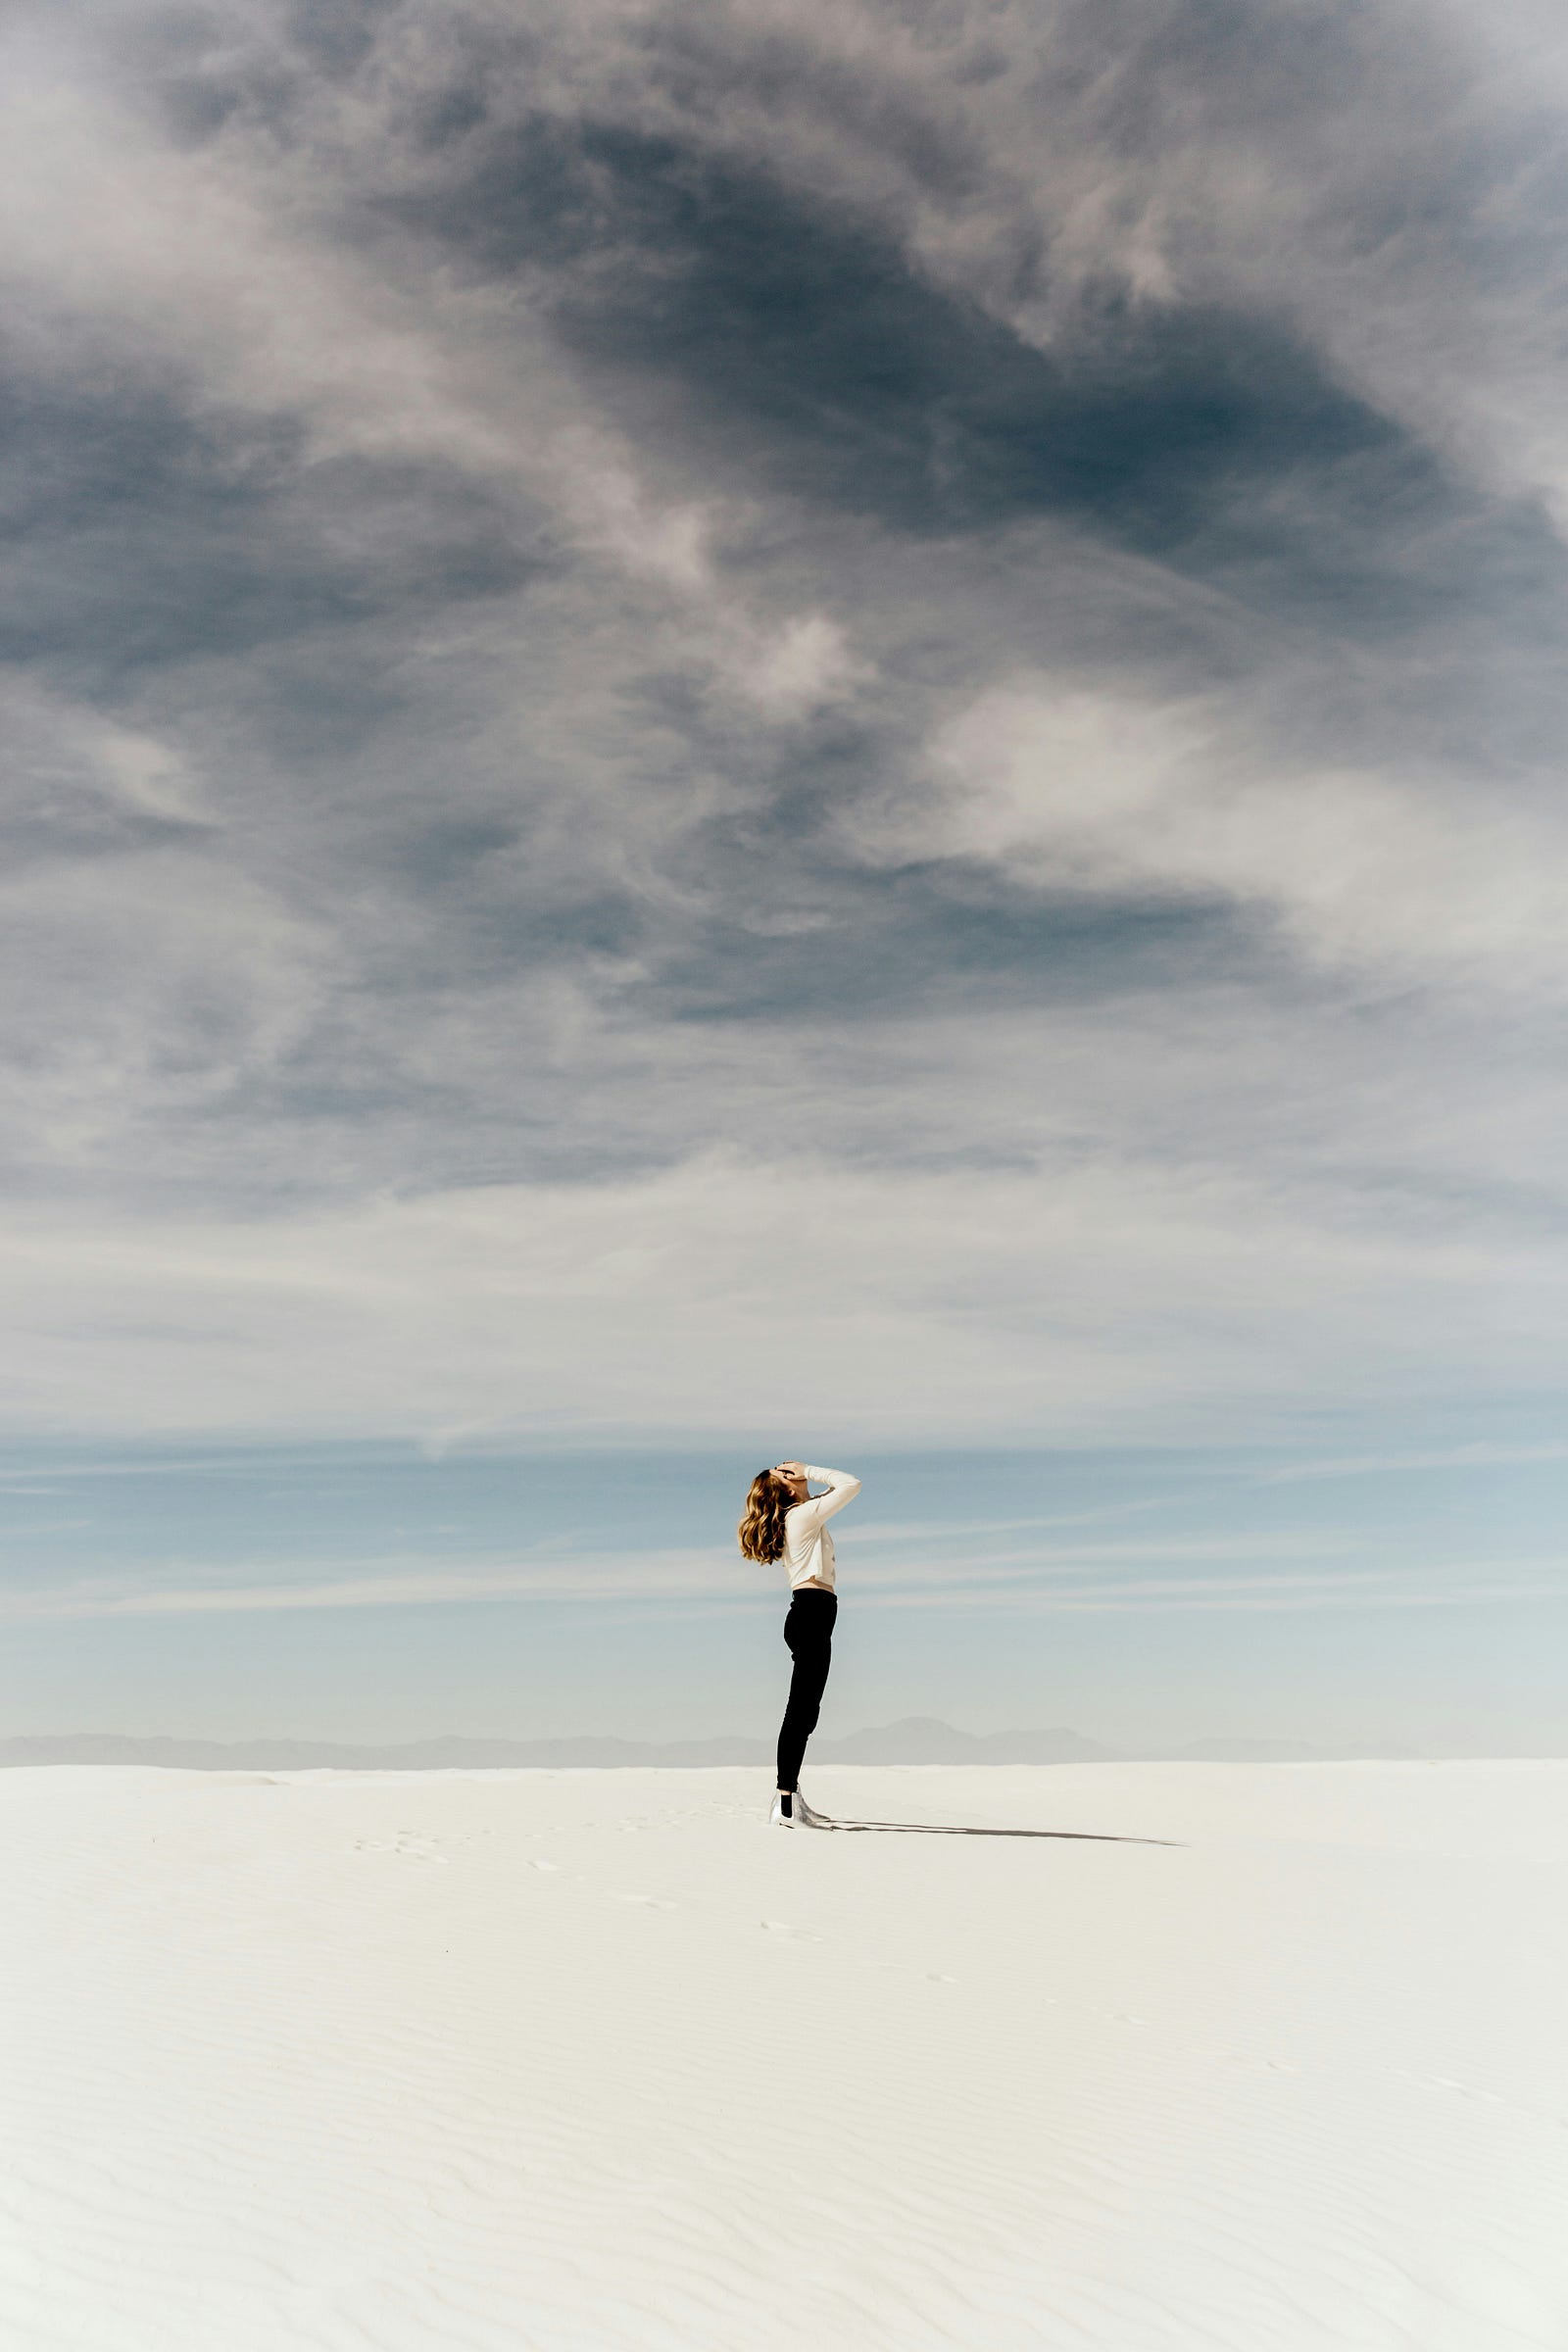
x=841 y=1486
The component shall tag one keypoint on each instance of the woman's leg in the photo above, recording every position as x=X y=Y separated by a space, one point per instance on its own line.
x=808 y=1630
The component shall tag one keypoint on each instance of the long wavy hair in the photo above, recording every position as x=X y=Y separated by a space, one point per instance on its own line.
x=761 y=1527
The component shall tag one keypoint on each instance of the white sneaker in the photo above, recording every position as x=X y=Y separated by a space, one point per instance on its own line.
x=778 y=1819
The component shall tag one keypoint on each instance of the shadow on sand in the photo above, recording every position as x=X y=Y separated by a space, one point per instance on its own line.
x=947 y=1829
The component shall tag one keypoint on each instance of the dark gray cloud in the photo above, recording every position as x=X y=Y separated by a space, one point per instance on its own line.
x=139 y=535
x=927 y=596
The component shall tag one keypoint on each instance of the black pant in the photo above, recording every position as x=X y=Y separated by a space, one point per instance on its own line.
x=808 y=1630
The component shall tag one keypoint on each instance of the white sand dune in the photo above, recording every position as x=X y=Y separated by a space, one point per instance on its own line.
x=483 y=2062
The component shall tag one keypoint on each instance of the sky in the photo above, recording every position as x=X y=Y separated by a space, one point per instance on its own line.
x=740 y=730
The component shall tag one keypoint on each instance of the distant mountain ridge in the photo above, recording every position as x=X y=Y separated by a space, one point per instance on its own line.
x=913 y=1739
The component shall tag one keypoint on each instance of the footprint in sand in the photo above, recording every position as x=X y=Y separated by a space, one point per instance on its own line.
x=414 y=1849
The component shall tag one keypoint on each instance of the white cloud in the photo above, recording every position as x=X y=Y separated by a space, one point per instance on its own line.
x=412 y=1582
x=69 y=763
x=1078 y=790
x=1479 y=1456
x=796 y=669
x=714 y=1575
x=140 y=984
x=1077 y=1305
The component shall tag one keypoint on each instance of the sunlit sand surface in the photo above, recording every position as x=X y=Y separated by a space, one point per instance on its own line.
x=1259 y=2059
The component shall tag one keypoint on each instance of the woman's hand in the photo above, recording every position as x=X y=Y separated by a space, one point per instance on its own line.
x=791 y=1469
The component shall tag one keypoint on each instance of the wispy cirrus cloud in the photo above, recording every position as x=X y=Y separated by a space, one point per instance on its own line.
x=1087 y=1585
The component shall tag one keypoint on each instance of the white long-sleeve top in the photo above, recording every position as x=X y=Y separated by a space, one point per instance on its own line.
x=808 y=1545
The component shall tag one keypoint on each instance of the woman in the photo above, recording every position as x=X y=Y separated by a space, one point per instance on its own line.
x=784 y=1521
